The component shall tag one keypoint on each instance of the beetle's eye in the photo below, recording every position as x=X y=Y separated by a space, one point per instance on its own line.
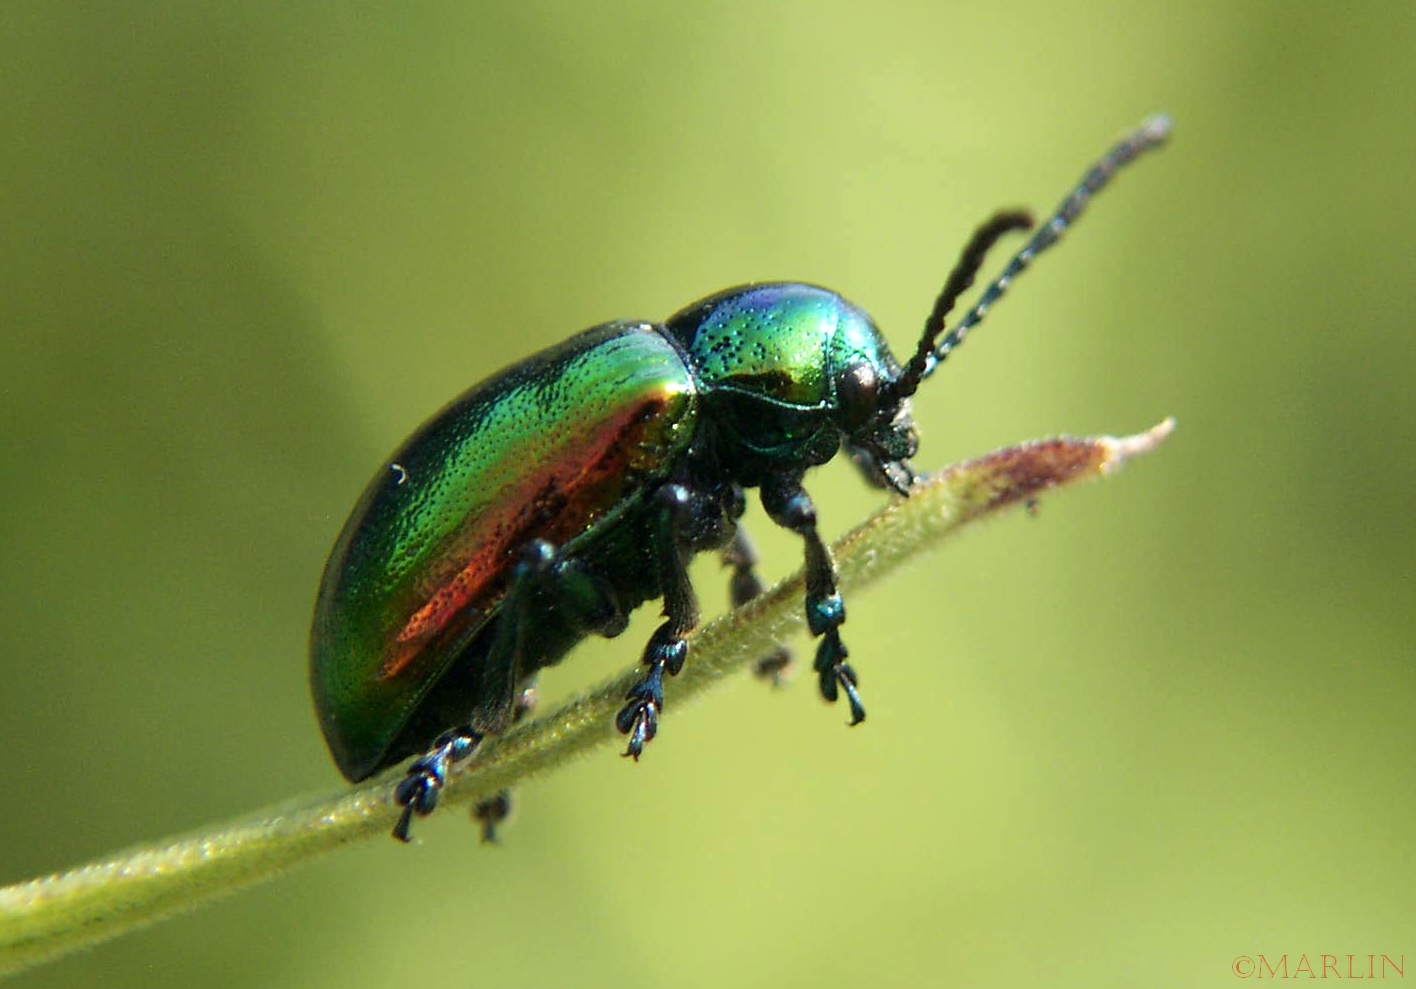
x=858 y=395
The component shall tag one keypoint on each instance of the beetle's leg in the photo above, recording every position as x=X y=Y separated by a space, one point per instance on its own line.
x=743 y=586
x=417 y=793
x=580 y=599
x=639 y=718
x=495 y=809
x=789 y=505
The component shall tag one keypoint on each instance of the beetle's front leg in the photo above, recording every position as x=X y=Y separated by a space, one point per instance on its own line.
x=788 y=504
x=668 y=646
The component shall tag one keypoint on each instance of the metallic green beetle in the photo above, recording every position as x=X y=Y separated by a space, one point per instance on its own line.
x=549 y=501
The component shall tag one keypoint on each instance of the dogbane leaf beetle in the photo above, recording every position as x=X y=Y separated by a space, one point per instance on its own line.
x=552 y=499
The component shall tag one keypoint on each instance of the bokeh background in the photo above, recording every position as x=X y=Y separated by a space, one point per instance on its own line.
x=247 y=246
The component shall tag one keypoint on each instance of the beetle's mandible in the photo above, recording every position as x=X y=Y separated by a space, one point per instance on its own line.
x=554 y=498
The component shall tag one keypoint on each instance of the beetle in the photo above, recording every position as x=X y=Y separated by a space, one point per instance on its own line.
x=549 y=501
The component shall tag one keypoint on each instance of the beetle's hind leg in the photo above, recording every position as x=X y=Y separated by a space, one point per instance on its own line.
x=493 y=812
x=789 y=505
x=743 y=586
x=668 y=646
x=418 y=791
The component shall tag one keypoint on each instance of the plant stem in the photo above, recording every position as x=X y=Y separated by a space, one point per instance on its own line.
x=50 y=916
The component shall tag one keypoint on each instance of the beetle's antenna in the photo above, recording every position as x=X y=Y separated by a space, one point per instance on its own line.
x=1150 y=134
x=958 y=282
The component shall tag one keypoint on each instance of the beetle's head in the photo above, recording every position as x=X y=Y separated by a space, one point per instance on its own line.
x=873 y=418
x=788 y=373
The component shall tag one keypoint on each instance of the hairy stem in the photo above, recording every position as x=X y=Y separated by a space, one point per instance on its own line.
x=50 y=916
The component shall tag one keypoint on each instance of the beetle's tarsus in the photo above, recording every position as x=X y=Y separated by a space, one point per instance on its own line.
x=847 y=677
x=776 y=668
x=491 y=813
x=651 y=688
x=836 y=675
x=639 y=719
x=417 y=793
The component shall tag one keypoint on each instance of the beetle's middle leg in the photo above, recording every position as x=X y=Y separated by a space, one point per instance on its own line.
x=581 y=600
x=668 y=646
x=743 y=586
x=789 y=505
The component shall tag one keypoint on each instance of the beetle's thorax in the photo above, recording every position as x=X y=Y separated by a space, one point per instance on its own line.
x=779 y=368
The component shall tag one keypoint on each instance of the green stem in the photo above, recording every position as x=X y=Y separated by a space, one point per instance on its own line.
x=47 y=917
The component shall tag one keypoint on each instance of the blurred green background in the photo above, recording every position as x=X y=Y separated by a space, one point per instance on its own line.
x=248 y=246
